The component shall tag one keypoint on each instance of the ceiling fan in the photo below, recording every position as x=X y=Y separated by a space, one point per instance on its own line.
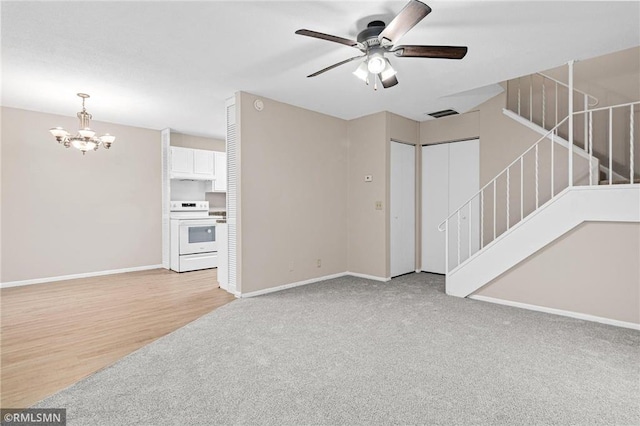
x=378 y=39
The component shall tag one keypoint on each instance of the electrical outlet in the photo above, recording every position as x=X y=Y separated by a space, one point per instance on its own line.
x=368 y=178
x=319 y=263
x=378 y=205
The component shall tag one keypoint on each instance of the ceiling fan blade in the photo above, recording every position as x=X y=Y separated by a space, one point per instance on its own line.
x=335 y=65
x=408 y=17
x=444 y=52
x=329 y=37
x=389 y=82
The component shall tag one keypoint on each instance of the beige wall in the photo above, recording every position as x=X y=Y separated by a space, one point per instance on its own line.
x=64 y=213
x=592 y=270
x=294 y=194
x=367 y=227
x=197 y=142
x=451 y=128
x=612 y=78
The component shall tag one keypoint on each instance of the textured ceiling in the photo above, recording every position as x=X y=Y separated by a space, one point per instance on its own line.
x=172 y=64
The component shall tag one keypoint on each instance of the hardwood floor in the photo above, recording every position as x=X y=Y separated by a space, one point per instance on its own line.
x=57 y=333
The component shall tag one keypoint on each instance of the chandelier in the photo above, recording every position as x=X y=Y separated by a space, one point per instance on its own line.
x=85 y=139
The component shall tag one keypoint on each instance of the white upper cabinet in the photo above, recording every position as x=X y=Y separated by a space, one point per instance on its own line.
x=203 y=163
x=220 y=183
x=181 y=161
x=187 y=163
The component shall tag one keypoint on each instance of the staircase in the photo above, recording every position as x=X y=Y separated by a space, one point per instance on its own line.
x=584 y=167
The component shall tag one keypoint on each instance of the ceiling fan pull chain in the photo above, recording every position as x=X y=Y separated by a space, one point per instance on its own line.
x=375 y=85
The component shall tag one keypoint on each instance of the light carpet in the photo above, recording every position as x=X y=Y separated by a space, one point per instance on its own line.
x=355 y=351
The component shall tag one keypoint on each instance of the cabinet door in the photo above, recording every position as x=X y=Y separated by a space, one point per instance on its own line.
x=220 y=183
x=203 y=163
x=181 y=161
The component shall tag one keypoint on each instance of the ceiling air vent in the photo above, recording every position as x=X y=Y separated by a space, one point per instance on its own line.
x=443 y=113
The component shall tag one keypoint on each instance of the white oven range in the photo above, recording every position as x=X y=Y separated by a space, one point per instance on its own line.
x=193 y=236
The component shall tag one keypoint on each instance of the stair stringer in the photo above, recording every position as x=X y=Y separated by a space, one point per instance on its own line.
x=560 y=215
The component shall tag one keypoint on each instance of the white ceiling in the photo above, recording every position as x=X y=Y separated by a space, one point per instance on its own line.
x=172 y=64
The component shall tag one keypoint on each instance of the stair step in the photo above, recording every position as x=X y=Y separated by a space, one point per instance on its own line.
x=618 y=181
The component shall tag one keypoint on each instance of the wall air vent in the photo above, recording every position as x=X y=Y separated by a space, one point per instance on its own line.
x=443 y=113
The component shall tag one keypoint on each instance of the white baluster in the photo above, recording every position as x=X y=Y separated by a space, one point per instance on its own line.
x=590 y=150
x=482 y=219
x=470 y=221
x=446 y=246
x=631 y=174
x=610 y=146
x=537 y=192
x=570 y=115
x=458 y=238
x=553 y=148
x=586 y=106
x=494 y=209
x=556 y=99
x=531 y=98
x=544 y=103
x=522 y=187
x=508 y=198
x=519 y=96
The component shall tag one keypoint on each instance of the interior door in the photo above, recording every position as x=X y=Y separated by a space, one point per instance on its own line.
x=435 y=205
x=450 y=177
x=402 y=209
x=464 y=181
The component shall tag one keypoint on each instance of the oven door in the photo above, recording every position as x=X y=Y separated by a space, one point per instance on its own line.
x=198 y=236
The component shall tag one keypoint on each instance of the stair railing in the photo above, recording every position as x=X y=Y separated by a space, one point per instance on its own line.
x=531 y=180
x=531 y=99
x=616 y=160
x=477 y=232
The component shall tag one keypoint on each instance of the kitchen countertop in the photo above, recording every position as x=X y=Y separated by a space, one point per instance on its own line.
x=220 y=215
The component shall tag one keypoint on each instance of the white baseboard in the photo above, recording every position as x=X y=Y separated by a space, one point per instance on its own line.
x=290 y=285
x=75 y=276
x=555 y=311
x=311 y=281
x=369 y=277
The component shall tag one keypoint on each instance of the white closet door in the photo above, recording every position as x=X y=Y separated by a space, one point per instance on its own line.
x=464 y=181
x=402 y=209
x=435 y=205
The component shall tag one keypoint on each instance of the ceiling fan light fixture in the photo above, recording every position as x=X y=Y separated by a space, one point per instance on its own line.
x=362 y=72
x=388 y=71
x=376 y=63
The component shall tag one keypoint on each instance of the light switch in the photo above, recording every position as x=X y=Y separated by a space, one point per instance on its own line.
x=368 y=178
x=378 y=205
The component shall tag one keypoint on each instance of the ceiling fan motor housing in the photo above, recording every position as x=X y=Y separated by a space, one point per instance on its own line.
x=369 y=36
